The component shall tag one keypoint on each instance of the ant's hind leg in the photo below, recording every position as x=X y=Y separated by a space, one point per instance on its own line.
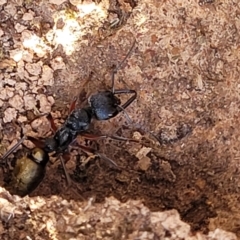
x=37 y=142
x=95 y=152
x=66 y=157
x=14 y=148
x=51 y=121
x=73 y=105
x=93 y=137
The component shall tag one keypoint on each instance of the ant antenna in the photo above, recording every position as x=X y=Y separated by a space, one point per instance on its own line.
x=120 y=65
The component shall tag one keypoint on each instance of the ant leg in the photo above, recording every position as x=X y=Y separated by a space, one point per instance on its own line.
x=109 y=160
x=120 y=65
x=90 y=136
x=66 y=157
x=113 y=76
x=36 y=117
x=95 y=152
x=127 y=103
x=13 y=148
x=51 y=121
x=130 y=100
x=49 y=118
x=62 y=158
x=73 y=105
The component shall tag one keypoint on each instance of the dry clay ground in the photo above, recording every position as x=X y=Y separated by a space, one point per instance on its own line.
x=184 y=67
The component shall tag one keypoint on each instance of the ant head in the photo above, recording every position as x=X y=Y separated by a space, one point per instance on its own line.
x=104 y=97
x=39 y=156
x=104 y=105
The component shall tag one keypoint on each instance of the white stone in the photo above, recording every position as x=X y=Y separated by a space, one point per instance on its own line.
x=6 y=93
x=29 y=101
x=76 y=2
x=47 y=76
x=9 y=115
x=21 y=86
x=28 y=16
x=11 y=9
x=57 y=2
x=3 y=2
x=1 y=31
x=34 y=68
x=16 y=102
x=19 y=28
x=45 y=105
x=16 y=54
x=57 y=63
x=10 y=82
x=27 y=56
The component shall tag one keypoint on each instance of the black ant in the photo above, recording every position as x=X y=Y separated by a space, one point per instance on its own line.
x=29 y=170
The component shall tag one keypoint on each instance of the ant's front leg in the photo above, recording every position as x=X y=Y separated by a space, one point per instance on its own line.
x=115 y=70
x=105 y=105
x=129 y=101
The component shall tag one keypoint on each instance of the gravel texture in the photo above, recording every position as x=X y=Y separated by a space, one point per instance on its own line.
x=185 y=68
